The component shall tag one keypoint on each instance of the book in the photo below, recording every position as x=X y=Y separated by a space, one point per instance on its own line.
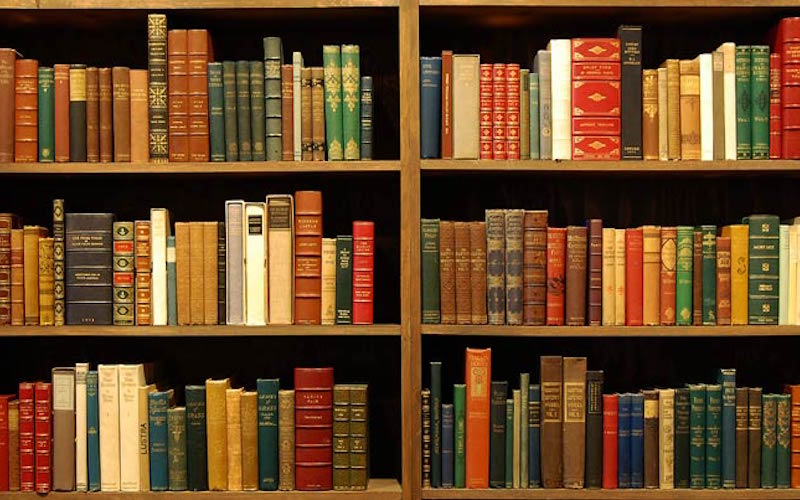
x=172 y=282
x=307 y=262
x=286 y=440
x=524 y=417
x=81 y=420
x=740 y=442
x=425 y=409
x=634 y=264
x=478 y=373
x=637 y=440
x=13 y=445
x=486 y=100
x=249 y=422
x=651 y=430
x=30 y=254
x=268 y=433
x=178 y=92
x=351 y=101
x=610 y=440
x=46 y=123
x=552 y=418
x=574 y=421
x=108 y=410
x=754 y=414
x=287 y=112
x=25 y=146
x=367 y=111
x=243 y=130
x=341 y=437
x=105 y=112
x=465 y=106
x=663 y=113
x=61 y=112
x=728 y=50
x=196 y=450
x=556 y=268
x=515 y=439
x=620 y=275
x=668 y=282
x=273 y=60
x=495 y=267
x=575 y=283
x=463 y=295
x=509 y=448
x=216 y=433
x=534 y=437
x=332 y=63
x=707 y=125
x=255 y=270
x=43 y=437
x=769 y=440
x=159 y=231
x=359 y=436
x=497 y=439
x=27 y=470
x=318 y=112
x=775 y=125
x=743 y=103
x=143 y=432
x=7 y=89
x=436 y=424
x=560 y=109
x=460 y=430
x=709 y=235
x=624 y=441
x=713 y=436
x=738 y=233
x=763 y=255
x=651 y=275
x=666 y=438
x=513 y=265
x=230 y=111
x=140 y=134
x=477 y=269
x=344 y=280
x=595 y=272
x=690 y=109
x=682 y=435
x=257 y=112
x=88 y=268
x=542 y=66
x=783 y=437
x=447 y=445
x=280 y=252
x=159 y=405
x=92 y=429
x=446 y=135
x=63 y=458
x=594 y=429
x=233 y=429
x=534 y=267
x=157 y=86
x=727 y=379
x=123 y=273
x=759 y=106
x=363 y=271
x=313 y=428
x=131 y=377
x=142 y=269
x=176 y=448
x=305 y=114
x=631 y=86
x=46 y=282
x=328 y=303
x=499 y=82
x=216 y=112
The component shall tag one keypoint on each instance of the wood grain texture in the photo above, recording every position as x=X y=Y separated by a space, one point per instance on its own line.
x=18 y=4
x=661 y=167
x=611 y=331
x=609 y=3
x=203 y=331
x=619 y=494
x=209 y=4
x=244 y=167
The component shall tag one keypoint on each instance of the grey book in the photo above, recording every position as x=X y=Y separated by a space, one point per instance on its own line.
x=273 y=59
x=541 y=65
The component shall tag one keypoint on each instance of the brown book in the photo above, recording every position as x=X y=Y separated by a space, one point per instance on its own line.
x=46 y=283
x=178 y=94
x=13 y=442
x=183 y=258
x=514 y=234
x=31 y=237
x=651 y=438
x=462 y=261
x=210 y=272
x=551 y=438
x=668 y=285
x=308 y=257
x=106 y=114
x=140 y=123
x=650 y=114
x=574 y=421
x=673 y=108
x=26 y=110
x=17 y=278
x=7 y=59
x=7 y=223
x=697 y=279
x=198 y=56
x=595 y=272
x=63 y=429
x=61 y=112
x=249 y=417
x=121 y=80
x=576 y=276
x=651 y=275
x=477 y=279
x=741 y=437
x=196 y=275
x=447 y=104
x=92 y=115
x=754 y=437
x=718 y=83
x=318 y=114
x=723 y=280
x=287 y=112
x=141 y=228
x=690 y=109
x=305 y=113
x=447 y=271
x=534 y=267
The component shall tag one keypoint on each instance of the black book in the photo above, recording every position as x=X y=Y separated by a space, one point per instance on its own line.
x=630 y=39
x=196 y=457
x=77 y=112
x=682 y=428
x=594 y=428
x=497 y=435
x=89 y=275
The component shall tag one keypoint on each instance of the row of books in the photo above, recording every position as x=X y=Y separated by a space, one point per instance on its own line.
x=109 y=430
x=266 y=264
x=590 y=99
x=513 y=269
x=186 y=107
x=565 y=433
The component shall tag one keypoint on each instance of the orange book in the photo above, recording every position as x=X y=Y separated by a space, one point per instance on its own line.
x=794 y=446
x=140 y=126
x=479 y=380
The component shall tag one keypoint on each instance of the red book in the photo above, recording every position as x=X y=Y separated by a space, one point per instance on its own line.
x=8 y=58
x=634 y=267
x=610 y=415
x=26 y=437
x=591 y=70
x=43 y=436
x=586 y=125
x=447 y=104
x=775 y=106
x=596 y=98
x=787 y=44
x=512 y=111
x=499 y=108
x=486 y=112
x=596 y=49
x=363 y=271
x=313 y=416
x=4 y=477
x=556 y=259
x=61 y=112
x=26 y=110
x=199 y=55
x=308 y=257
x=596 y=147
x=478 y=377
x=178 y=95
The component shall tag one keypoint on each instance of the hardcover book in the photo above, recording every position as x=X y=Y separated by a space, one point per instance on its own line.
x=574 y=426
x=478 y=375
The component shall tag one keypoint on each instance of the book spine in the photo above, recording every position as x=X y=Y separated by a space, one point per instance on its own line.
x=610 y=440
x=257 y=116
x=512 y=111
x=637 y=441
x=595 y=272
x=157 y=86
x=634 y=262
x=46 y=117
x=594 y=429
x=159 y=435
x=783 y=437
x=650 y=115
x=7 y=60
x=763 y=256
x=196 y=456
x=759 y=106
x=31 y=235
x=769 y=440
x=6 y=223
x=775 y=125
x=221 y=275
x=552 y=418
x=81 y=455
x=727 y=380
x=436 y=424
x=513 y=265
x=363 y=271
x=26 y=107
x=709 y=235
x=273 y=59
x=477 y=278
x=754 y=403
x=509 y=448
x=243 y=111
x=46 y=282
x=13 y=445
x=120 y=78
x=341 y=437
x=217 y=434
x=447 y=105
x=497 y=441
x=651 y=439
x=344 y=279
x=697 y=278
x=706 y=62
x=723 y=280
x=447 y=445
x=332 y=63
x=534 y=436
x=43 y=436
x=515 y=439
x=216 y=112
x=743 y=103
x=741 y=437
x=534 y=267
x=556 y=269
x=682 y=435
x=123 y=268
x=105 y=103
x=690 y=110
x=541 y=65
x=533 y=107
x=172 y=282
x=61 y=112
x=499 y=111
x=466 y=114
x=425 y=409
x=77 y=112
x=666 y=438
x=663 y=114
x=142 y=268
x=92 y=430
x=328 y=303
x=351 y=99
x=459 y=409
x=495 y=267
x=478 y=370
x=683 y=285
x=26 y=437
x=268 y=434
x=230 y=111
x=249 y=436
x=560 y=109
x=197 y=59
x=575 y=304
x=313 y=428
x=63 y=404
x=620 y=273
x=651 y=279
x=624 y=441
x=89 y=269
x=140 y=135
x=308 y=259
x=794 y=391
x=366 y=118
x=287 y=112
x=485 y=112
x=463 y=290
x=359 y=437
x=286 y=479
x=713 y=436
x=176 y=449
x=668 y=283
x=318 y=113
x=631 y=81
x=524 y=114
x=306 y=138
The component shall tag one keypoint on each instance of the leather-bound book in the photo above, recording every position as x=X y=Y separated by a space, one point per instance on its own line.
x=198 y=56
x=631 y=79
x=318 y=113
x=650 y=438
x=576 y=276
x=268 y=433
x=273 y=59
x=477 y=279
x=7 y=222
x=673 y=108
x=513 y=265
x=650 y=114
x=447 y=105
x=249 y=423
x=105 y=100
x=329 y=281
x=32 y=234
x=769 y=424
x=332 y=73
x=7 y=60
x=59 y=290
x=495 y=267
x=723 y=280
x=244 y=131
x=17 y=277
x=46 y=283
x=305 y=114
x=287 y=127
x=308 y=257
x=217 y=434
x=341 y=437
x=26 y=106
x=122 y=113
x=157 y=86
x=89 y=268
x=595 y=272
x=690 y=109
x=697 y=278
x=230 y=111
x=651 y=275
x=123 y=267
x=447 y=272
x=610 y=451
x=556 y=269
x=666 y=438
x=61 y=114
x=697 y=436
x=425 y=409
x=478 y=368
x=141 y=229
x=13 y=445
x=210 y=234
x=594 y=429
x=359 y=435
x=466 y=119
x=783 y=459
x=682 y=434
x=713 y=436
x=462 y=273
x=552 y=417
x=158 y=407
x=63 y=429
x=786 y=43
x=77 y=112
x=46 y=118
x=43 y=436
x=313 y=428
x=763 y=255
x=367 y=111
x=709 y=235
x=668 y=281
x=574 y=430
x=216 y=112
x=512 y=111
x=176 y=448
x=286 y=440
x=741 y=437
x=93 y=115
x=754 y=414
x=683 y=275
x=534 y=267
x=634 y=262
x=485 y=112
x=26 y=437
x=140 y=133
x=497 y=440
x=257 y=116
x=430 y=100
x=363 y=271
x=620 y=274
x=663 y=118
x=794 y=445
x=514 y=459
x=759 y=107
x=775 y=125
x=178 y=100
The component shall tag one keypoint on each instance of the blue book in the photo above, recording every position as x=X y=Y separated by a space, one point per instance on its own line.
x=172 y=283
x=196 y=449
x=158 y=404
x=637 y=440
x=430 y=104
x=624 y=441
x=534 y=428
x=727 y=379
x=447 y=446
x=92 y=431
x=268 y=433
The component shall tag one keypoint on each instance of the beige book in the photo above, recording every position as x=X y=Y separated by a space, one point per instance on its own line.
x=608 y=276
x=108 y=409
x=728 y=50
x=217 y=433
x=131 y=377
x=651 y=279
x=210 y=273
x=517 y=400
x=718 y=86
x=81 y=455
x=183 y=259
x=286 y=440
x=666 y=438
x=740 y=247
x=663 y=118
x=234 y=262
x=233 y=407
x=328 y=281
x=560 y=89
x=63 y=458
x=466 y=71
x=796 y=319
x=159 y=231
x=196 y=266
x=706 y=107
x=144 y=435
x=255 y=260
x=249 y=423
x=673 y=108
x=140 y=124
x=280 y=249
x=793 y=256
x=619 y=277
x=297 y=107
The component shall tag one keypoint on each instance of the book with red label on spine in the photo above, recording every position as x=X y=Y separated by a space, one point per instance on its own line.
x=499 y=109
x=313 y=407
x=43 y=436
x=363 y=271
x=486 y=111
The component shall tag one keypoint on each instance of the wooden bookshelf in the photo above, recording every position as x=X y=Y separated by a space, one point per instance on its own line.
x=203 y=331
x=611 y=3
x=235 y=167
x=211 y=4
x=611 y=331
x=719 y=167
x=619 y=494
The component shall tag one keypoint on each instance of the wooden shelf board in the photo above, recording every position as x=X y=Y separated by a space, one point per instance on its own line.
x=618 y=494
x=611 y=3
x=18 y=4
x=629 y=167
x=208 y=4
x=612 y=331
x=244 y=167
x=383 y=330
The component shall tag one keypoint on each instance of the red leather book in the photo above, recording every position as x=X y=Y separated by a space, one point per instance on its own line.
x=447 y=104
x=26 y=437
x=634 y=267
x=4 y=476
x=610 y=416
x=590 y=125
x=596 y=49
x=594 y=70
x=478 y=377
x=486 y=111
x=8 y=58
x=199 y=55
x=596 y=98
x=499 y=108
x=178 y=85
x=775 y=106
x=668 y=281
x=7 y=223
x=556 y=268
x=595 y=272
x=26 y=110
x=787 y=44
x=308 y=257
x=363 y=271
x=43 y=435
x=61 y=112
x=595 y=147
x=512 y=111
x=313 y=406
x=794 y=442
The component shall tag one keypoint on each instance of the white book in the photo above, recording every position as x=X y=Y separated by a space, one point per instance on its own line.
x=81 y=457
x=131 y=377
x=728 y=50
x=297 y=66
x=793 y=255
x=619 y=276
x=108 y=409
x=234 y=262
x=280 y=265
x=560 y=74
x=706 y=107
x=255 y=262
x=328 y=281
x=663 y=113
x=159 y=230
x=144 y=435
x=783 y=275
x=466 y=106
x=608 y=276
x=666 y=438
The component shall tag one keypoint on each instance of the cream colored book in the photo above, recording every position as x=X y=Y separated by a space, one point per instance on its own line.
x=255 y=261
x=234 y=262
x=663 y=127
x=793 y=256
x=783 y=275
x=144 y=436
x=706 y=107
x=797 y=273
x=233 y=407
x=516 y=398
x=466 y=75
x=159 y=230
x=81 y=471
x=619 y=277
x=217 y=433
x=131 y=377
x=608 y=276
x=328 y=281
x=297 y=107
x=728 y=50
x=280 y=250
x=560 y=89
x=666 y=438
x=249 y=423
x=108 y=409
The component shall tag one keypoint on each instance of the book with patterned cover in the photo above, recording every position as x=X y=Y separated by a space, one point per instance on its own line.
x=351 y=102
x=534 y=267
x=332 y=74
x=157 y=86
x=513 y=265
x=495 y=266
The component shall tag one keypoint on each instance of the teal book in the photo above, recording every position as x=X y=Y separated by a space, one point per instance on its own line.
x=230 y=113
x=176 y=448
x=243 y=110
x=683 y=276
x=158 y=403
x=783 y=455
x=92 y=431
x=216 y=112
x=697 y=436
x=436 y=423
x=713 y=436
x=533 y=112
x=351 y=101
x=769 y=424
x=509 y=443
x=431 y=313
x=709 y=235
x=460 y=431
x=196 y=454
x=759 y=101
x=762 y=280
x=273 y=59
x=726 y=378
x=46 y=115
x=743 y=103
x=257 y=118
x=172 y=283
x=268 y=433
x=344 y=280
x=332 y=73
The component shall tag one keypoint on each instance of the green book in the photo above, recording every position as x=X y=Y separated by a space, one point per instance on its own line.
x=783 y=437
x=436 y=424
x=257 y=120
x=759 y=101
x=697 y=436
x=216 y=112
x=459 y=410
x=196 y=449
x=351 y=102
x=332 y=62
x=268 y=433
x=243 y=110
x=533 y=113
x=713 y=436
x=230 y=112
x=344 y=280
x=726 y=378
x=431 y=313
x=524 y=384
x=172 y=284
x=709 y=234
x=341 y=437
x=46 y=120
x=769 y=422
x=683 y=276
x=176 y=448
x=273 y=59
x=743 y=103
x=682 y=437
x=762 y=281
x=509 y=443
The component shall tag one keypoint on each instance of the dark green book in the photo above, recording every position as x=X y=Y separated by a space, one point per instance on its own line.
x=709 y=235
x=697 y=436
x=157 y=87
x=533 y=112
x=332 y=62
x=743 y=103
x=196 y=457
x=460 y=424
x=682 y=434
x=366 y=117
x=509 y=449
x=524 y=384
x=344 y=280
x=769 y=431
x=759 y=101
x=762 y=281
x=230 y=112
x=431 y=313
x=257 y=117
x=726 y=378
x=243 y=110
x=683 y=275
x=497 y=435
x=46 y=110
x=783 y=454
x=713 y=436
x=351 y=100
x=273 y=59
x=176 y=448
x=436 y=424
x=268 y=433
x=216 y=112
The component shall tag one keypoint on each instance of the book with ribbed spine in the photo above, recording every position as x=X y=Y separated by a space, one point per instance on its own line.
x=534 y=267
x=341 y=437
x=690 y=109
x=59 y=254
x=769 y=439
x=364 y=271
x=351 y=102
x=306 y=139
x=286 y=481
x=142 y=268
x=88 y=270
x=682 y=435
x=759 y=105
x=524 y=416
x=123 y=267
x=216 y=112
x=332 y=63
x=46 y=119
x=497 y=439
x=308 y=260
x=359 y=436
x=743 y=103
x=713 y=436
x=26 y=100
x=178 y=95
x=157 y=86
x=60 y=112
x=176 y=448
x=763 y=266
x=46 y=282
x=313 y=428
x=26 y=466
x=196 y=457
x=43 y=437
x=425 y=409
x=513 y=265
x=221 y=274
x=367 y=109
x=436 y=423
x=230 y=112
x=273 y=59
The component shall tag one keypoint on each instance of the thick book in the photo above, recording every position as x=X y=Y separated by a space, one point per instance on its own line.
x=668 y=282
x=477 y=272
x=140 y=135
x=198 y=54
x=666 y=438
x=178 y=92
x=754 y=414
x=159 y=403
x=610 y=440
x=351 y=99
x=280 y=253
x=436 y=423
x=556 y=269
x=313 y=428
x=673 y=108
x=332 y=73
x=497 y=440
x=176 y=448
x=31 y=237
x=63 y=383
x=552 y=418
x=465 y=106
x=637 y=440
x=575 y=282
x=495 y=267
x=344 y=279
x=273 y=59
x=88 y=276
x=460 y=435
x=706 y=106
x=308 y=257
x=743 y=103
x=651 y=448
x=7 y=222
x=534 y=267
x=217 y=434
x=463 y=290
x=650 y=115
x=46 y=117
x=196 y=456
x=769 y=423
x=363 y=271
x=713 y=436
x=651 y=275
x=634 y=265
x=574 y=426
x=142 y=268
x=26 y=101
x=478 y=366
x=624 y=441
x=594 y=429
x=46 y=282
x=682 y=435
x=763 y=267
x=513 y=265
x=430 y=103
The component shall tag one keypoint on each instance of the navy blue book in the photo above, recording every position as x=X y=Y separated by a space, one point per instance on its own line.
x=158 y=404
x=447 y=446
x=637 y=440
x=727 y=379
x=196 y=454
x=268 y=433
x=93 y=431
x=624 y=441
x=430 y=106
x=534 y=428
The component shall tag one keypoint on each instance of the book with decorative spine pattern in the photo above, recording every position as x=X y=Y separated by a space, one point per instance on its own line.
x=123 y=273
x=351 y=102
x=332 y=63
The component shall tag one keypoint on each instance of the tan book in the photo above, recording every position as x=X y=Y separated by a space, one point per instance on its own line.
x=63 y=458
x=305 y=113
x=328 y=281
x=666 y=438
x=217 y=433
x=740 y=245
x=718 y=85
x=286 y=440
x=574 y=410
x=673 y=108
x=651 y=279
x=131 y=378
x=31 y=271
x=318 y=114
x=690 y=109
x=465 y=106
x=728 y=50
x=249 y=423
x=280 y=262
x=46 y=283
x=210 y=272
x=619 y=277
x=183 y=258
x=140 y=123
x=18 y=277
x=608 y=276
x=650 y=114
x=144 y=436
x=233 y=408
x=663 y=130
x=13 y=445
x=196 y=275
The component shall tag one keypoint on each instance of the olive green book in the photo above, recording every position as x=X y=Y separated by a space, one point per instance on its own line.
x=697 y=436
x=431 y=312
x=257 y=120
x=351 y=102
x=332 y=73
x=230 y=113
x=243 y=109
x=709 y=235
x=459 y=409
x=683 y=286
x=759 y=101
x=783 y=437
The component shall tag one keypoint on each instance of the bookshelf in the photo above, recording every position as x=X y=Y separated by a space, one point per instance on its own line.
x=205 y=331
x=565 y=494
x=220 y=168
x=555 y=332
x=688 y=167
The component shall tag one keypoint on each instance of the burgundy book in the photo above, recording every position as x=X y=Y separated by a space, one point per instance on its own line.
x=610 y=430
x=634 y=267
x=27 y=462
x=313 y=420
x=595 y=272
x=43 y=436
x=775 y=106
x=8 y=58
x=308 y=257
x=363 y=271
x=4 y=441
x=447 y=104
x=26 y=110
x=486 y=111
x=556 y=258
x=787 y=44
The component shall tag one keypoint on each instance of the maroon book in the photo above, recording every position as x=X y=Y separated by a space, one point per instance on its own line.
x=43 y=436
x=313 y=420
x=4 y=476
x=363 y=271
x=26 y=437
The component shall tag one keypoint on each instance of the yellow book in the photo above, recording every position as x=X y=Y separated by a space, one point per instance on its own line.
x=609 y=282
x=217 y=434
x=249 y=416
x=739 y=235
x=651 y=290
x=619 y=276
x=233 y=406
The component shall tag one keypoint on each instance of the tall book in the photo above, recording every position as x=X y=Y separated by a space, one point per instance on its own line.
x=235 y=227
x=486 y=128
x=216 y=112
x=552 y=418
x=560 y=58
x=683 y=275
x=631 y=86
x=92 y=429
x=594 y=429
x=460 y=431
x=157 y=86
x=308 y=259
x=144 y=434
x=198 y=55
x=351 y=101
x=769 y=423
x=775 y=118
x=131 y=377
x=723 y=281
x=63 y=459
x=7 y=60
x=268 y=433
x=707 y=126
x=726 y=377
x=682 y=435
x=556 y=268
x=81 y=455
x=610 y=440
x=634 y=265
x=738 y=233
x=123 y=268
x=477 y=278
x=728 y=50
x=637 y=440
x=663 y=114
x=140 y=135
x=534 y=115
x=594 y=266
x=534 y=436
x=178 y=91
x=620 y=276
x=89 y=269
x=495 y=267
x=120 y=77
x=759 y=107
x=741 y=437
x=542 y=66
x=297 y=125
x=447 y=445
x=668 y=282
x=690 y=110
x=497 y=436
x=651 y=275
x=673 y=108
x=478 y=366
x=713 y=436
x=624 y=441
x=363 y=271
x=196 y=454
x=257 y=117
x=318 y=112
x=425 y=408
x=243 y=129
x=743 y=103
x=651 y=448
x=305 y=114
x=27 y=460
x=43 y=436
x=466 y=116
x=30 y=262
x=158 y=406
x=217 y=434
x=463 y=290
x=709 y=235
x=574 y=427
x=341 y=437
x=286 y=440
x=313 y=428
x=344 y=280
x=754 y=414
x=332 y=73
x=230 y=111
x=783 y=437
x=105 y=112
x=575 y=283
x=512 y=111
x=26 y=104
x=763 y=256
x=666 y=438
x=446 y=135
x=515 y=439
x=13 y=445
x=61 y=112
x=534 y=267
x=436 y=424
x=249 y=422
x=273 y=59
x=513 y=265
x=430 y=271
x=108 y=410
x=499 y=111
x=46 y=122
x=159 y=231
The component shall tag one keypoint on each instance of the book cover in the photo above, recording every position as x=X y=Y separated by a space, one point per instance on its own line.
x=552 y=418
x=594 y=429
x=610 y=440
x=280 y=258
x=624 y=441
x=176 y=448
x=478 y=367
